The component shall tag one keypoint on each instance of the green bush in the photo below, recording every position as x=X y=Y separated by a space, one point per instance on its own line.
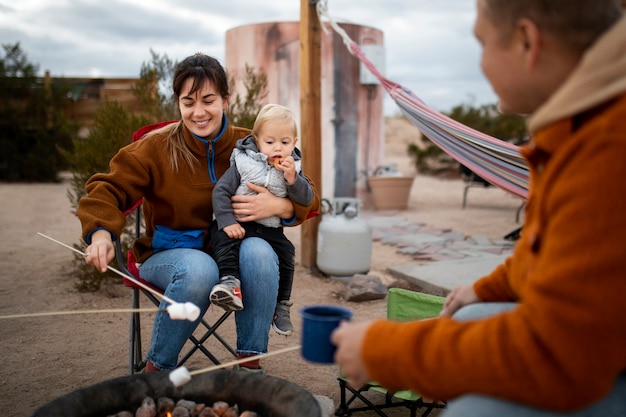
x=242 y=111
x=112 y=129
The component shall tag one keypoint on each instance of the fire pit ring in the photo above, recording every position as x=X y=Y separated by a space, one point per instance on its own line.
x=268 y=396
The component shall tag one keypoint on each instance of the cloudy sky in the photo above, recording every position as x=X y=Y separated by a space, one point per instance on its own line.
x=428 y=44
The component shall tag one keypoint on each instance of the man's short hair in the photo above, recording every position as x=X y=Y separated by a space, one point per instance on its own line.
x=576 y=24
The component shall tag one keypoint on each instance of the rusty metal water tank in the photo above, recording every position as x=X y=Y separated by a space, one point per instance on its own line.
x=352 y=104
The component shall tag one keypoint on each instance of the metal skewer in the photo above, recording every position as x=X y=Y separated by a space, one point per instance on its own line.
x=67 y=313
x=117 y=271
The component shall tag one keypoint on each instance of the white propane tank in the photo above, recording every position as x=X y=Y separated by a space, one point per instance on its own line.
x=344 y=241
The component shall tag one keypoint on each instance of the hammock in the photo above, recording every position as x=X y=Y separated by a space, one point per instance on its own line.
x=498 y=162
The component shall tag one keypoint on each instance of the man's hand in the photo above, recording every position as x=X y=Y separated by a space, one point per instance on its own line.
x=349 y=341
x=459 y=297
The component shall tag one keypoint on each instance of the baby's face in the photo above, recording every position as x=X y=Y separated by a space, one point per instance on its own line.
x=276 y=140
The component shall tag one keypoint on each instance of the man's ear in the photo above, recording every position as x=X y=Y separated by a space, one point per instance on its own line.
x=530 y=41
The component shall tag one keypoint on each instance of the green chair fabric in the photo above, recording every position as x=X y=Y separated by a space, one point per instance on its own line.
x=405 y=305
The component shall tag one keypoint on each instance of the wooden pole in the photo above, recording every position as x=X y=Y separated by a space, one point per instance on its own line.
x=310 y=118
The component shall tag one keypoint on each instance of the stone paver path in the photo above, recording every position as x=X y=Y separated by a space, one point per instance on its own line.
x=443 y=258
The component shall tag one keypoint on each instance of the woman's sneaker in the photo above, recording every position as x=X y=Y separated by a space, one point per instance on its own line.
x=282 y=322
x=227 y=294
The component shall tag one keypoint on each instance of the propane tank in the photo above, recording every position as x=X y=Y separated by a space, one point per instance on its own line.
x=344 y=241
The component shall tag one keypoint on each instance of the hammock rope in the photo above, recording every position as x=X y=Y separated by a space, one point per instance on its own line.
x=497 y=161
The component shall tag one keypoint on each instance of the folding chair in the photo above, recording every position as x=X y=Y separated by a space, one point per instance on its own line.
x=127 y=265
x=402 y=305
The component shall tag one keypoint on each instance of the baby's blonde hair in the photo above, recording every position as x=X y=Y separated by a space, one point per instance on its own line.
x=274 y=113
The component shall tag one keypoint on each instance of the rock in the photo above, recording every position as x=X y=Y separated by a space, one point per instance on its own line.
x=180 y=411
x=147 y=408
x=326 y=404
x=365 y=288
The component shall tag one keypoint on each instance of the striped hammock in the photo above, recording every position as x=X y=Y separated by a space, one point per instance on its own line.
x=497 y=161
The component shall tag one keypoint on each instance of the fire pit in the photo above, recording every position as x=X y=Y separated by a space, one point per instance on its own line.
x=268 y=396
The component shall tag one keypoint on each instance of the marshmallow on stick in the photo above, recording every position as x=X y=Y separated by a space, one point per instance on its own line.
x=180 y=376
x=183 y=311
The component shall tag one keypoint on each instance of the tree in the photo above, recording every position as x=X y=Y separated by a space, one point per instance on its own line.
x=153 y=89
x=33 y=121
x=242 y=111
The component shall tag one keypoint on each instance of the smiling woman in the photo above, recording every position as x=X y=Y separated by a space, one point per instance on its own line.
x=176 y=188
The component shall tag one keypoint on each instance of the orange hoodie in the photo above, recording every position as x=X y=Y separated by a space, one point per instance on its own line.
x=565 y=343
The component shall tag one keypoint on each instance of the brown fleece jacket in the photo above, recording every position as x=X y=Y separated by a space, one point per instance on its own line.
x=565 y=343
x=178 y=200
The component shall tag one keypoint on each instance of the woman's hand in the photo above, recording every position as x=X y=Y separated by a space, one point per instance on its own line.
x=349 y=341
x=249 y=208
x=101 y=250
x=459 y=297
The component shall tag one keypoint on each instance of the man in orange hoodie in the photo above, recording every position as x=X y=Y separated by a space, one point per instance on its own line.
x=545 y=333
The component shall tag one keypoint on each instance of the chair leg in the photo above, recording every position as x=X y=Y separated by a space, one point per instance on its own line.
x=136 y=363
x=344 y=408
x=198 y=344
x=518 y=213
x=465 y=190
x=213 y=330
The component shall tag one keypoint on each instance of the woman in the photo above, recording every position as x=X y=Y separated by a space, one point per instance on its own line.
x=174 y=169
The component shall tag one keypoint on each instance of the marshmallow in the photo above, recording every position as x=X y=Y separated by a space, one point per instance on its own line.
x=180 y=376
x=187 y=311
x=177 y=311
x=193 y=311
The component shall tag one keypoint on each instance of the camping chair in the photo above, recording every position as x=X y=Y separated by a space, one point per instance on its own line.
x=402 y=305
x=127 y=265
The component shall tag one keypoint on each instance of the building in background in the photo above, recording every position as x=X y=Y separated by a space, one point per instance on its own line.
x=88 y=94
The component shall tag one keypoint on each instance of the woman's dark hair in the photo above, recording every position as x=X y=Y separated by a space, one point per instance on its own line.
x=201 y=68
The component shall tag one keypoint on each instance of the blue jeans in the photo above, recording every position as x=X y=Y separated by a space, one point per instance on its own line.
x=190 y=274
x=474 y=405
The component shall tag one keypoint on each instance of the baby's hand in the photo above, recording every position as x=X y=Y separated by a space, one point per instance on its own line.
x=235 y=231
x=288 y=166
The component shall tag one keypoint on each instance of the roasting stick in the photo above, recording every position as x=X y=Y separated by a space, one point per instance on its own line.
x=182 y=375
x=177 y=311
x=67 y=313
x=117 y=271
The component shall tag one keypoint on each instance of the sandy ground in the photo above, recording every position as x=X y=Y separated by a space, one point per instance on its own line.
x=46 y=357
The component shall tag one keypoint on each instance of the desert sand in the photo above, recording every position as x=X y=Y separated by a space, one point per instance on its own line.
x=46 y=357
